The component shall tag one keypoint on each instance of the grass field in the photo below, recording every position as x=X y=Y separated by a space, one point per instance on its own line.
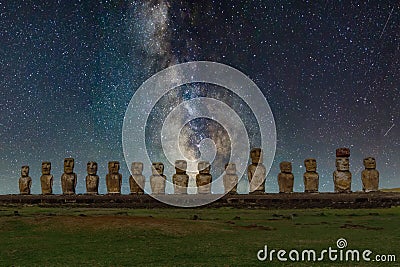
x=33 y=236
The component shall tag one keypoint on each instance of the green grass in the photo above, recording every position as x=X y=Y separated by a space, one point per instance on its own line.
x=187 y=237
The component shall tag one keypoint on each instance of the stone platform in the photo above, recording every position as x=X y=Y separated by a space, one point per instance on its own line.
x=269 y=200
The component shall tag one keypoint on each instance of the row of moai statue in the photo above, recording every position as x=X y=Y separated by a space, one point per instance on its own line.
x=256 y=173
x=341 y=176
x=136 y=180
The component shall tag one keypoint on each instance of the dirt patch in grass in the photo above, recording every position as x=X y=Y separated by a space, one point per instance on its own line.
x=121 y=222
x=359 y=226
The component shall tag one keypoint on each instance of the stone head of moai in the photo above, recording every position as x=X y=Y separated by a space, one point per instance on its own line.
x=310 y=164
x=91 y=168
x=68 y=165
x=204 y=167
x=256 y=155
x=370 y=163
x=286 y=167
x=157 y=168
x=137 y=168
x=46 y=167
x=342 y=164
x=25 y=171
x=343 y=152
x=180 y=166
x=113 y=167
x=230 y=168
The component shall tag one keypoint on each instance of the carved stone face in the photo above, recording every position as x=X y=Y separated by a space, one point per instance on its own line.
x=256 y=155
x=68 y=165
x=137 y=167
x=180 y=166
x=285 y=166
x=25 y=171
x=157 y=168
x=91 y=168
x=370 y=163
x=113 y=167
x=342 y=164
x=46 y=167
x=230 y=168
x=204 y=167
x=311 y=165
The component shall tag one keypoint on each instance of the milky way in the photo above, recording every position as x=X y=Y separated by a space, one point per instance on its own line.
x=329 y=71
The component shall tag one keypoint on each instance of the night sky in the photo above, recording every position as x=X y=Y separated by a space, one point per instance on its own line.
x=330 y=72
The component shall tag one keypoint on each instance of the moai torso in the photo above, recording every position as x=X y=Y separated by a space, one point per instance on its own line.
x=311 y=177
x=370 y=176
x=113 y=178
x=25 y=182
x=137 y=179
x=230 y=178
x=256 y=172
x=203 y=179
x=342 y=175
x=285 y=177
x=68 y=178
x=46 y=180
x=180 y=178
x=157 y=179
x=92 y=179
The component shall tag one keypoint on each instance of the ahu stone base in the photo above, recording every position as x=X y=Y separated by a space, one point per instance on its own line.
x=269 y=200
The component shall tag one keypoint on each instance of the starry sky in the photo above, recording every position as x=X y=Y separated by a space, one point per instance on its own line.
x=330 y=71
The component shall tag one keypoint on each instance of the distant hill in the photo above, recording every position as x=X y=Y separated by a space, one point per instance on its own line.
x=390 y=190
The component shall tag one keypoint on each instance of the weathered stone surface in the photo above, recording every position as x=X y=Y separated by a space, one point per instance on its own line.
x=370 y=176
x=46 y=180
x=92 y=179
x=68 y=178
x=230 y=178
x=285 y=177
x=256 y=172
x=137 y=179
x=157 y=179
x=311 y=177
x=203 y=179
x=113 y=178
x=25 y=182
x=342 y=175
x=180 y=178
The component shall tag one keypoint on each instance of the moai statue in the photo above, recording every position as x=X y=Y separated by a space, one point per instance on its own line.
x=342 y=175
x=230 y=178
x=46 y=180
x=137 y=179
x=180 y=178
x=311 y=177
x=92 y=179
x=68 y=178
x=370 y=176
x=157 y=179
x=256 y=172
x=203 y=179
x=285 y=177
x=113 y=178
x=25 y=182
